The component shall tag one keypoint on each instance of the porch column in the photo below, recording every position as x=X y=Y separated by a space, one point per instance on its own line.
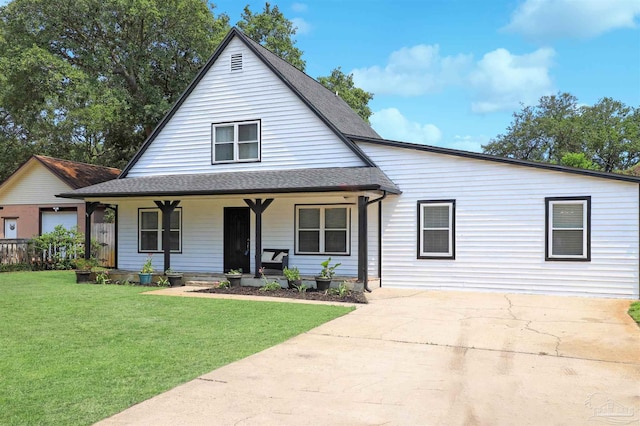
x=258 y=207
x=89 y=208
x=167 y=207
x=363 y=249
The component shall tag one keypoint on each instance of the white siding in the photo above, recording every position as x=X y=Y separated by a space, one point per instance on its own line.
x=292 y=135
x=202 y=234
x=34 y=184
x=500 y=227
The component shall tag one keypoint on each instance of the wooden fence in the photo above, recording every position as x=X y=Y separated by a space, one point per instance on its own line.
x=13 y=252
x=24 y=252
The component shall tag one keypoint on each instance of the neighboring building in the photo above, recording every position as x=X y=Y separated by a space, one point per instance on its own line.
x=257 y=154
x=28 y=197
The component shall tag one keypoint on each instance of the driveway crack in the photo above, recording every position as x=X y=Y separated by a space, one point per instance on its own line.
x=513 y=316
x=444 y=345
x=558 y=340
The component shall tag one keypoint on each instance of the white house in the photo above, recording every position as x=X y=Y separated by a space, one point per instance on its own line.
x=257 y=154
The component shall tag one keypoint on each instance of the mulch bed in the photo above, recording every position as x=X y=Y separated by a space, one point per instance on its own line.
x=351 y=297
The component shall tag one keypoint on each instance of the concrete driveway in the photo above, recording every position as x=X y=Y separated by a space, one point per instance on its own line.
x=422 y=358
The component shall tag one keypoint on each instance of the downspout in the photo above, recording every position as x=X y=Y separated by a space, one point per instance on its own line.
x=365 y=281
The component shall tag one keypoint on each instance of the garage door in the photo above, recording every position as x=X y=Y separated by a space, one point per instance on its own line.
x=50 y=220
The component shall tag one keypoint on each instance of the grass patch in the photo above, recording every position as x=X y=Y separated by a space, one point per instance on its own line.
x=75 y=354
x=634 y=311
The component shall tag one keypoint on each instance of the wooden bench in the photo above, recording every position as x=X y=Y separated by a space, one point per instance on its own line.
x=275 y=259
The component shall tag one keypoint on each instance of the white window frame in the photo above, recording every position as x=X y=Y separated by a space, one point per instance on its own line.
x=585 y=228
x=451 y=227
x=159 y=230
x=322 y=229
x=236 y=142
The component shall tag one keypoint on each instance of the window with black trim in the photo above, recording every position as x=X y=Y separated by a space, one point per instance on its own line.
x=235 y=142
x=150 y=230
x=322 y=229
x=436 y=229
x=568 y=223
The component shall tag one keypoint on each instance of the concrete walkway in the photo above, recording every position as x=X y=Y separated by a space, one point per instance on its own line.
x=428 y=358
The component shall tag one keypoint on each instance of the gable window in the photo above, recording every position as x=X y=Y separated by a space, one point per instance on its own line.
x=235 y=142
x=568 y=223
x=322 y=229
x=150 y=231
x=436 y=229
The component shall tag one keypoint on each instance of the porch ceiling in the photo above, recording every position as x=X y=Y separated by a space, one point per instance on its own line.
x=331 y=179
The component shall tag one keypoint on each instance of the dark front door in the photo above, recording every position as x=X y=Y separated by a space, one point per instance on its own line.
x=236 y=238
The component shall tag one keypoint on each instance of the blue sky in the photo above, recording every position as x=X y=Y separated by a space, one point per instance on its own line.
x=451 y=72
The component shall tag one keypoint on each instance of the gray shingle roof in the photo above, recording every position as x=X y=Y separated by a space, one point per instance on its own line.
x=330 y=179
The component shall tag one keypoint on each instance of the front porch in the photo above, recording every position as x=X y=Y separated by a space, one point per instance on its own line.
x=216 y=222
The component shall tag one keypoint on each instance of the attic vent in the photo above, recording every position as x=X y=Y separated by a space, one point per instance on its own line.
x=236 y=62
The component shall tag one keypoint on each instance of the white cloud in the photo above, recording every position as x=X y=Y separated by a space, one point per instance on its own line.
x=502 y=81
x=468 y=142
x=299 y=7
x=413 y=71
x=391 y=124
x=302 y=26
x=545 y=20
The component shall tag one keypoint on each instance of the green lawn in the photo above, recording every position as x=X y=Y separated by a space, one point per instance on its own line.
x=634 y=311
x=77 y=353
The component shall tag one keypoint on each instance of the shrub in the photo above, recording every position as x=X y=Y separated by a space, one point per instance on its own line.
x=103 y=277
x=224 y=284
x=271 y=286
x=341 y=291
x=13 y=267
x=61 y=247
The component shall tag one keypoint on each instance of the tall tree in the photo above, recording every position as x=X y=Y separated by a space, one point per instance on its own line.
x=611 y=133
x=544 y=132
x=274 y=31
x=607 y=134
x=89 y=79
x=342 y=84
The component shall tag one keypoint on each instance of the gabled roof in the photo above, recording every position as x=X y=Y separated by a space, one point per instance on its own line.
x=78 y=175
x=75 y=175
x=331 y=109
x=331 y=179
x=494 y=158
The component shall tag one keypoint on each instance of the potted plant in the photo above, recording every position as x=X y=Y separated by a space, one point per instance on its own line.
x=146 y=273
x=293 y=277
x=83 y=269
x=175 y=278
x=323 y=281
x=234 y=276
